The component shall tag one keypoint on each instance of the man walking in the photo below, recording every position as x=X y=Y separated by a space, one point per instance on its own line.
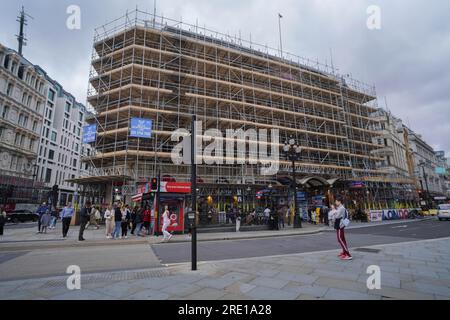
x=66 y=218
x=85 y=214
x=341 y=214
x=166 y=224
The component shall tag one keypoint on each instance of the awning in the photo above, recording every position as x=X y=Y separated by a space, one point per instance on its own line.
x=99 y=179
x=137 y=198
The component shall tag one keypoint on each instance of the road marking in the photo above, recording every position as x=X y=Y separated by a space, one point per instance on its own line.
x=404 y=226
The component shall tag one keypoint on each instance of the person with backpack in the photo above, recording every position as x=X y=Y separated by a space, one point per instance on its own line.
x=340 y=223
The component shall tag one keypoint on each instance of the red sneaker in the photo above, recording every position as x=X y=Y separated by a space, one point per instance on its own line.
x=346 y=257
x=341 y=254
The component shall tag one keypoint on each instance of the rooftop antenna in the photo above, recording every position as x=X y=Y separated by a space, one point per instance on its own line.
x=331 y=57
x=22 y=19
x=279 y=30
x=154 y=13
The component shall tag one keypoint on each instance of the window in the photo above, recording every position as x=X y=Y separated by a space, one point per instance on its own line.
x=9 y=90
x=31 y=146
x=67 y=107
x=38 y=106
x=49 y=114
x=53 y=137
x=5 y=112
x=48 y=175
x=25 y=121
x=80 y=116
x=16 y=139
x=51 y=95
x=34 y=125
x=75 y=163
x=20 y=119
x=51 y=154
x=78 y=132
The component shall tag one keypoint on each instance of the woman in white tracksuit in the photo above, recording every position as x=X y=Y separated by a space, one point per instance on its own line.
x=166 y=224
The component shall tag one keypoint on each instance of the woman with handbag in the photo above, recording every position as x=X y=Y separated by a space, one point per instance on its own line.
x=340 y=223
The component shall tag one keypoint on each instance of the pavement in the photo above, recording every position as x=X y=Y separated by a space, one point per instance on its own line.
x=24 y=236
x=409 y=271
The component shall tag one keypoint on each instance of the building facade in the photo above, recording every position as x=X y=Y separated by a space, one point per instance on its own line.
x=166 y=71
x=23 y=88
x=425 y=164
x=61 y=146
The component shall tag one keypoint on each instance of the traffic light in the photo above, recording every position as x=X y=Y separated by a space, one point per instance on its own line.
x=154 y=184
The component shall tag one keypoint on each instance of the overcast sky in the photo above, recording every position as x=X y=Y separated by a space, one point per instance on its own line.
x=408 y=59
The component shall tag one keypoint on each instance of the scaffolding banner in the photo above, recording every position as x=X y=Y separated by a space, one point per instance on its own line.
x=89 y=133
x=141 y=128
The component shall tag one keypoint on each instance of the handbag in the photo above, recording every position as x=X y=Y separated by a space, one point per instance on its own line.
x=345 y=221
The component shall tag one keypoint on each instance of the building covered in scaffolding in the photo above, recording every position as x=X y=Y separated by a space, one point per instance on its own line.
x=150 y=67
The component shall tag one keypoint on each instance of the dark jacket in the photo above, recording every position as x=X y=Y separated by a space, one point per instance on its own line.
x=117 y=215
x=139 y=216
x=85 y=214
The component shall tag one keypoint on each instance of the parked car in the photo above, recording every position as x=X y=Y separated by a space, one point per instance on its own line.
x=24 y=215
x=443 y=212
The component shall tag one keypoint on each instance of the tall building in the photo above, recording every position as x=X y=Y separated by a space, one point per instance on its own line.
x=61 y=146
x=425 y=164
x=165 y=71
x=23 y=89
x=396 y=156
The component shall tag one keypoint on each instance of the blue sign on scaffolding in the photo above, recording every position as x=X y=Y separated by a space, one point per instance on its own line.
x=89 y=133
x=141 y=128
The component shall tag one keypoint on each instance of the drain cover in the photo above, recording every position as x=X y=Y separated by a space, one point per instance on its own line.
x=369 y=250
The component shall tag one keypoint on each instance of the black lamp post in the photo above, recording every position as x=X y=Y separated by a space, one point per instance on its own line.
x=428 y=201
x=292 y=152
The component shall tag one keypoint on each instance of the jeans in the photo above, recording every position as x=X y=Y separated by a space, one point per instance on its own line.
x=138 y=228
x=53 y=222
x=116 y=231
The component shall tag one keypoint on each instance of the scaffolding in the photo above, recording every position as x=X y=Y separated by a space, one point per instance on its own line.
x=148 y=66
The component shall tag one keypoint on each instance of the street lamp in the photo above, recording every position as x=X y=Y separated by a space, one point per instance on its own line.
x=422 y=165
x=292 y=152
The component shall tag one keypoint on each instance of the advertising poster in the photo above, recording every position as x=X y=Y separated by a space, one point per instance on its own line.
x=141 y=128
x=89 y=133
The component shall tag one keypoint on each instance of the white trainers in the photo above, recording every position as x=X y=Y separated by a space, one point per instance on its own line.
x=170 y=237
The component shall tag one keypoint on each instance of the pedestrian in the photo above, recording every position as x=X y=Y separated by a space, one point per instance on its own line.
x=126 y=217
x=339 y=226
x=85 y=215
x=109 y=220
x=139 y=219
x=133 y=219
x=2 y=221
x=45 y=221
x=66 y=218
x=281 y=216
x=54 y=218
x=324 y=213
x=166 y=224
x=238 y=220
x=288 y=216
x=266 y=215
x=147 y=219
x=117 y=221
x=93 y=218
x=40 y=211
